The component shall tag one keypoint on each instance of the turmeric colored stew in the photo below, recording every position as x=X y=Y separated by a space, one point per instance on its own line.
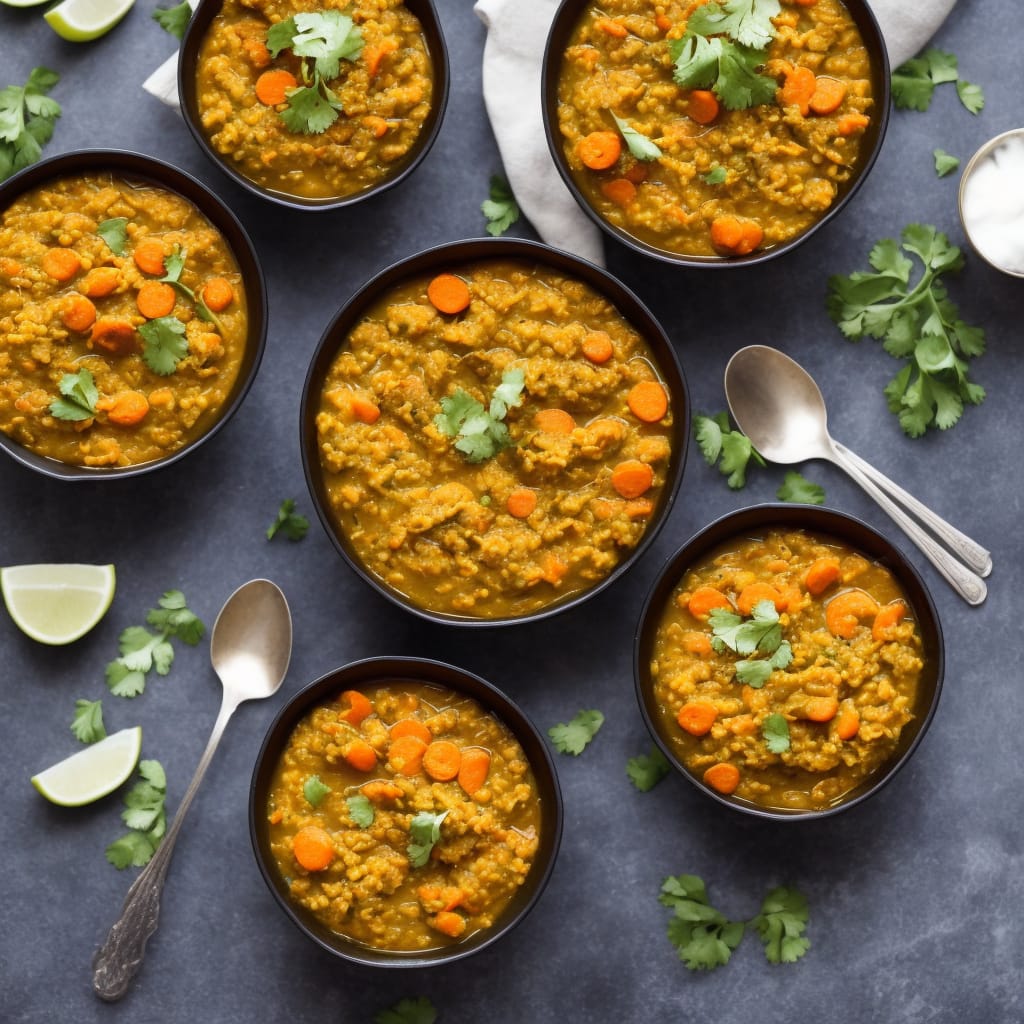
x=122 y=321
x=403 y=816
x=494 y=439
x=714 y=129
x=785 y=668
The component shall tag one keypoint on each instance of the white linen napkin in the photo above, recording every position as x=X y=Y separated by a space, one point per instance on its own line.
x=513 y=54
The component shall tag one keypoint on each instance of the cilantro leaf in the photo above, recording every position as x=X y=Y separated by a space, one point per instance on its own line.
x=408 y=1011
x=79 y=397
x=310 y=112
x=289 y=522
x=796 y=488
x=280 y=35
x=971 y=96
x=572 y=737
x=361 y=810
x=775 y=730
x=646 y=770
x=781 y=924
x=508 y=394
x=716 y=176
x=27 y=117
x=114 y=232
x=329 y=37
x=424 y=833
x=761 y=632
x=314 y=789
x=914 y=82
x=717 y=441
x=479 y=431
x=755 y=673
x=747 y=21
x=163 y=344
x=174 y=19
x=87 y=724
x=135 y=849
x=945 y=163
x=639 y=145
x=174 y=618
x=704 y=938
x=146 y=815
x=729 y=69
x=500 y=209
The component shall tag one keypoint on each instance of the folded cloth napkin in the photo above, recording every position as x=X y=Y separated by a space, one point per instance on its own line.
x=513 y=54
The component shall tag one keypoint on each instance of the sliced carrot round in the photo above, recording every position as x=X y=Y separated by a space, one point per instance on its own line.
x=723 y=777
x=648 y=401
x=313 y=848
x=442 y=760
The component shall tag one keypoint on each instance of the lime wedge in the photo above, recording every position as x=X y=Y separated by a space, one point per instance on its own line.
x=80 y=21
x=22 y=3
x=56 y=604
x=93 y=772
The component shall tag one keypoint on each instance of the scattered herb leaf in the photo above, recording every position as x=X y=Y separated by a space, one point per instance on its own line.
x=716 y=440
x=27 y=118
x=500 y=209
x=174 y=19
x=945 y=163
x=639 y=145
x=775 y=730
x=572 y=737
x=756 y=672
x=114 y=232
x=361 y=810
x=79 y=397
x=646 y=770
x=971 y=96
x=481 y=433
x=781 y=924
x=747 y=21
x=314 y=789
x=730 y=69
x=145 y=815
x=163 y=344
x=761 y=632
x=914 y=82
x=408 y=1011
x=424 y=832
x=716 y=176
x=289 y=522
x=87 y=724
x=918 y=323
x=796 y=487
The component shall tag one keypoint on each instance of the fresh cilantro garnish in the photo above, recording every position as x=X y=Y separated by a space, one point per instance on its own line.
x=500 y=209
x=27 y=117
x=145 y=815
x=142 y=651
x=781 y=924
x=163 y=344
x=715 y=176
x=715 y=439
x=174 y=264
x=919 y=324
x=361 y=810
x=87 y=724
x=481 y=433
x=705 y=938
x=760 y=634
x=408 y=1011
x=572 y=737
x=289 y=522
x=325 y=38
x=114 y=233
x=314 y=789
x=79 y=397
x=945 y=163
x=775 y=730
x=914 y=82
x=729 y=68
x=646 y=770
x=756 y=672
x=174 y=19
x=799 y=489
x=639 y=145
x=747 y=21
x=424 y=832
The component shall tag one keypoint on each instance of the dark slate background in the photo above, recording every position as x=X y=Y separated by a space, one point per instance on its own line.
x=916 y=896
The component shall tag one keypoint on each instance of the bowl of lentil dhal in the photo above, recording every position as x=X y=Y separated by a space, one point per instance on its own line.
x=404 y=812
x=493 y=431
x=314 y=104
x=132 y=315
x=788 y=661
x=705 y=137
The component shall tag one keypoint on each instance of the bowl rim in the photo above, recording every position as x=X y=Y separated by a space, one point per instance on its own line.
x=565 y=18
x=467 y=251
x=426 y=13
x=430 y=672
x=129 y=163
x=813 y=519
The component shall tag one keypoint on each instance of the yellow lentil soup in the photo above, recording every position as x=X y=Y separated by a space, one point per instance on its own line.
x=729 y=167
x=483 y=516
x=403 y=816
x=818 y=704
x=123 y=321
x=309 y=128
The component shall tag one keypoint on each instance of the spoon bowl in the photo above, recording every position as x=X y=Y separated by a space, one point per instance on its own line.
x=777 y=404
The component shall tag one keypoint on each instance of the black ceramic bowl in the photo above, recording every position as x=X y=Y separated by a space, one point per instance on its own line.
x=566 y=19
x=134 y=167
x=444 y=258
x=188 y=60
x=753 y=522
x=434 y=673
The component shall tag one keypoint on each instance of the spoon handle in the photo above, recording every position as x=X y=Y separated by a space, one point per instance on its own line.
x=970 y=552
x=966 y=583
x=118 y=960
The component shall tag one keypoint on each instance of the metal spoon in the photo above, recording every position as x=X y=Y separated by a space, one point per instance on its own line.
x=250 y=647
x=776 y=403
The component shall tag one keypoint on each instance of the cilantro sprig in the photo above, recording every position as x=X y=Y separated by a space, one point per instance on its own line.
x=424 y=834
x=27 y=119
x=918 y=323
x=408 y=1011
x=500 y=208
x=145 y=815
x=645 y=771
x=572 y=737
x=87 y=725
x=174 y=264
x=759 y=634
x=797 y=488
x=481 y=432
x=79 y=395
x=174 y=20
x=914 y=82
x=143 y=651
x=705 y=938
x=164 y=344
x=288 y=522
x=717 y=440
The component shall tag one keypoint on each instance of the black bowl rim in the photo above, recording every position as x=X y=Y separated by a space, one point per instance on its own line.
x=174 y=179
x=562 y=24
x=433 y=32
x=817 y=519
x=469 y=250
x=429 y=672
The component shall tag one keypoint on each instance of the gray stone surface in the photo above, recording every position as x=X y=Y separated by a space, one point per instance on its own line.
x=916 y=896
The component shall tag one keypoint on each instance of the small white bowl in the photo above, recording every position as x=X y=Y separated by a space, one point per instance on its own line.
x=981 y=206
